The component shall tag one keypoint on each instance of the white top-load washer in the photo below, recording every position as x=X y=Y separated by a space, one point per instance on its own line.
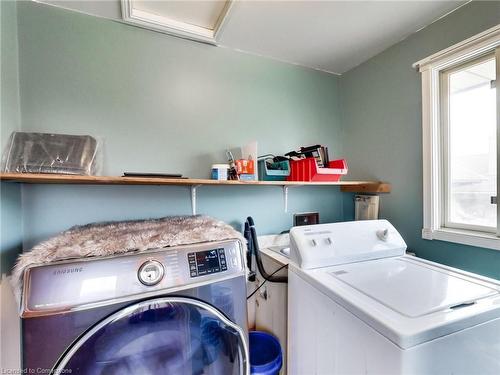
x=358 y=305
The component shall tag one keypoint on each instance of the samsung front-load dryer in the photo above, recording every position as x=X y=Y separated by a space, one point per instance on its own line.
x=359 y=305
x=177 y=310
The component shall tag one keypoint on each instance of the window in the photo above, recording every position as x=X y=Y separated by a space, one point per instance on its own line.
x=468 y=121
x=461 y=128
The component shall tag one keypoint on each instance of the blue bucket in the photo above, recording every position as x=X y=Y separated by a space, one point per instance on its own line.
x=265 y=354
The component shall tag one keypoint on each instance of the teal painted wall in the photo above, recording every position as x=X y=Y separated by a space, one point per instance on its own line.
x=381 y=104
x=165 y=104
x=10 y=195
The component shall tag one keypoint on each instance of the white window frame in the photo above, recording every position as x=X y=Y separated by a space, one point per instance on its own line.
x=433 y=198
x=445 y=131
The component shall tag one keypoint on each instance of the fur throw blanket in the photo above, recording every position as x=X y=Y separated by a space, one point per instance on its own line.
x=104 y=239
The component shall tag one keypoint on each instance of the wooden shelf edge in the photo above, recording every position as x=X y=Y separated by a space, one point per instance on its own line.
x=35 y=178
x=377 y=187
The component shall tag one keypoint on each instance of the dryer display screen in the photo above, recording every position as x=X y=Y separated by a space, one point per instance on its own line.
x=207 y=262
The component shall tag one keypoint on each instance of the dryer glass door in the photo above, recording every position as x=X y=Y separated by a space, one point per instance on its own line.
x=171 y=335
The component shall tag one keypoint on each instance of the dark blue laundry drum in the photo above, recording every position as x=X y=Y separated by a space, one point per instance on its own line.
x=266 y=357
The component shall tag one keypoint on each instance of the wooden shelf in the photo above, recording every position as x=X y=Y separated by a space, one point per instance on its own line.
x=39 y=178
x=35 y=178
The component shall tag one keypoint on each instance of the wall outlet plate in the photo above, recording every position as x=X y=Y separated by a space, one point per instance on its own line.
x=305 y=218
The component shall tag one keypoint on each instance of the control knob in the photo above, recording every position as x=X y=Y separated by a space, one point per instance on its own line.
x=151 y=272
x=383 y=234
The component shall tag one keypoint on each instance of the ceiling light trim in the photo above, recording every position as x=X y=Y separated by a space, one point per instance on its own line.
x=223 y=19
x=170 y=26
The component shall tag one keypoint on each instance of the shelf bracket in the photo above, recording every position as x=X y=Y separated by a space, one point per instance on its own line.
x=285 y=195
x=193 y=198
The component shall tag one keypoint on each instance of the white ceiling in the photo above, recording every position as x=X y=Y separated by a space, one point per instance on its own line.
x=332 y=36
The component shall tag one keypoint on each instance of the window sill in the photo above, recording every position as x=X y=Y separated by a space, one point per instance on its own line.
x=464 y=237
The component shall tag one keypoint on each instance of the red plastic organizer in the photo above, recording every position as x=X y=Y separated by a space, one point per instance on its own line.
x=307 y=170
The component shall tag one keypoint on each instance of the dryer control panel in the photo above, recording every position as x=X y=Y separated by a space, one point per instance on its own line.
x=69 y=285
x=207 y=262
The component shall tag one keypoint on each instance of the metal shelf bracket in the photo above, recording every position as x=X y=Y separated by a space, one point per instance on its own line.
x=285 y=195
x=193 y=198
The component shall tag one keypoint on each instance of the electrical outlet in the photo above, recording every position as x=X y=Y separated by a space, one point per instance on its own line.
x=305 y=218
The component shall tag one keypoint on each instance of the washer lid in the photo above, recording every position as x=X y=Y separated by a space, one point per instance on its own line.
x=408 y=300
x=411 y=289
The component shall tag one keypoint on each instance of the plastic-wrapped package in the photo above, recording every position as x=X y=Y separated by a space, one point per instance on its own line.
x=51 y=153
